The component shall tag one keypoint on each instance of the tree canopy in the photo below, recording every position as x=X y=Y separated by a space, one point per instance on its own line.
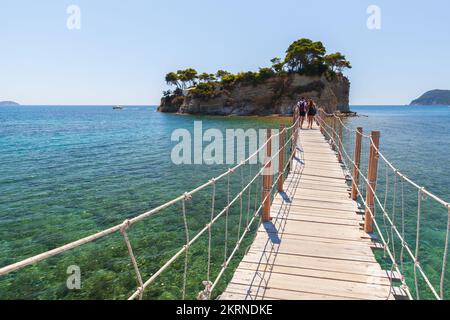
x=306 y=57
x=207 y=77
x=303 y=56
x=337 y=62
x=221 y=73
x=172 y=79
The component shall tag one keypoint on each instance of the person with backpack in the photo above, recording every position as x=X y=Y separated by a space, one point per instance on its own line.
x=302 y=106
x=312 y=112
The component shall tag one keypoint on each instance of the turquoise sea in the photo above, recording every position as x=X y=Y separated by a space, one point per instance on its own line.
x=69 y=171
x=416 y=141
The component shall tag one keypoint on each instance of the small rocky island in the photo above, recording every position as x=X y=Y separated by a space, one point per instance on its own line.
x=305 y=71
x=433 y=98
x=8 y=104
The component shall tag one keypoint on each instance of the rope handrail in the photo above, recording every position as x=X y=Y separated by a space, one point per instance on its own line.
x=365 y=203
x=183 y=198
x=397 y=171
x=421 y=191
x=404 y=177
x=208 y=226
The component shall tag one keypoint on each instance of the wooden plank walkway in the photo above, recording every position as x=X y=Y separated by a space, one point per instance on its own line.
x=315 y=248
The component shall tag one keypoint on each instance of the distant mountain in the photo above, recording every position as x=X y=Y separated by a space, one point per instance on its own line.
x=8 y=104
x=433 y=98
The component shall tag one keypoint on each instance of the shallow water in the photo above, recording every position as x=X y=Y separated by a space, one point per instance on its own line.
x=67 y=172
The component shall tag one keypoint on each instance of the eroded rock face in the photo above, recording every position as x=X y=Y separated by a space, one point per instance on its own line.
x=276 y=95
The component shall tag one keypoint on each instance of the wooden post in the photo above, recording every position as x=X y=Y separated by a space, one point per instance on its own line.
x=340 y=142
x=282 y=141
x=294 y=116
x=372 y=177
x=321 y=121
x=334 y=133
x=357 y=160
x=267 y=178
x=294 y=133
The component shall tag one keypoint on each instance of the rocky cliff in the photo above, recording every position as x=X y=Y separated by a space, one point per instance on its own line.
x=276 y=95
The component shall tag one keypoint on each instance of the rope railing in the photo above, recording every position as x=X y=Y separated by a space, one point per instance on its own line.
x=391 y=256
x=336 y=140
x=183 y=199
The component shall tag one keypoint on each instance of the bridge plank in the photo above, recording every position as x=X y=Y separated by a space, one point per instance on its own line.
x=320 y=286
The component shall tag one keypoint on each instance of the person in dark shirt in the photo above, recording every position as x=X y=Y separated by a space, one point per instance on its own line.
x=302 y=106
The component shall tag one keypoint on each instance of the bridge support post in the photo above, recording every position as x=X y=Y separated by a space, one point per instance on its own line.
x=267 y=179
x=372 y=177
x=334 y=133
x=340 y=142
x=322 y=119
x=357 y=160
x=282 y=141
x=294 y=138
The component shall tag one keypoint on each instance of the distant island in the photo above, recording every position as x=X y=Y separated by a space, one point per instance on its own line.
x=8 y=104
x=307 y=70
x=433 y=98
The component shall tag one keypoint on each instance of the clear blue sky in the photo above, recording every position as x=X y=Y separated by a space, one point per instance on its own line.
x=125 y=48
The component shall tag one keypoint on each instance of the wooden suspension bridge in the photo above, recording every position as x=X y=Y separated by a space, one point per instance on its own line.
x=313 y=245
x=317 y=232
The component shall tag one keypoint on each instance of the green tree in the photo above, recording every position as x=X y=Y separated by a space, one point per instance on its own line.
x=337 y=62
x=187 y=77
x=265 y=73
x=182 y=78
x=191 y=75
x=247 y=77
x=212 y=77
x=228 y=79
x=204 y=90
x=207 y=77
x=306 y=56
x=204 y=77
x=172 y=79
x=277 y=65
x=221 y=73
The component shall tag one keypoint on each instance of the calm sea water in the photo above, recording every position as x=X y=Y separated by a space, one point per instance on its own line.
x=416 y=140
x=67 y=172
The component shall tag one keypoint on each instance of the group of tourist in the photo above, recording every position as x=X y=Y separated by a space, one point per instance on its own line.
x=307 y=110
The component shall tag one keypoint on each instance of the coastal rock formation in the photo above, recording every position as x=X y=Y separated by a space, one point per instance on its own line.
x=276 y=95
x=433 y=98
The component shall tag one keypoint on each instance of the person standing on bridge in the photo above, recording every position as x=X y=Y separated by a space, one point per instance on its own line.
x=312 y=112
x=302 y=106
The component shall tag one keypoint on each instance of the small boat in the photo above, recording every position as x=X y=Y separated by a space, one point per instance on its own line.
x=117 y=108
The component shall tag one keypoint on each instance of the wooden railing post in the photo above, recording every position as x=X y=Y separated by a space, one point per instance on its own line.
x=372 y=178
x=267 y=178
x=294 y=116
x=334 y=133
x=357 y=160
x=294 y=133
x=321 y=117
x=340 y=142
x=282 y=141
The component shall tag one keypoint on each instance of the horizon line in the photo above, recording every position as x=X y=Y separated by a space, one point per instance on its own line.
x=156 y=105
